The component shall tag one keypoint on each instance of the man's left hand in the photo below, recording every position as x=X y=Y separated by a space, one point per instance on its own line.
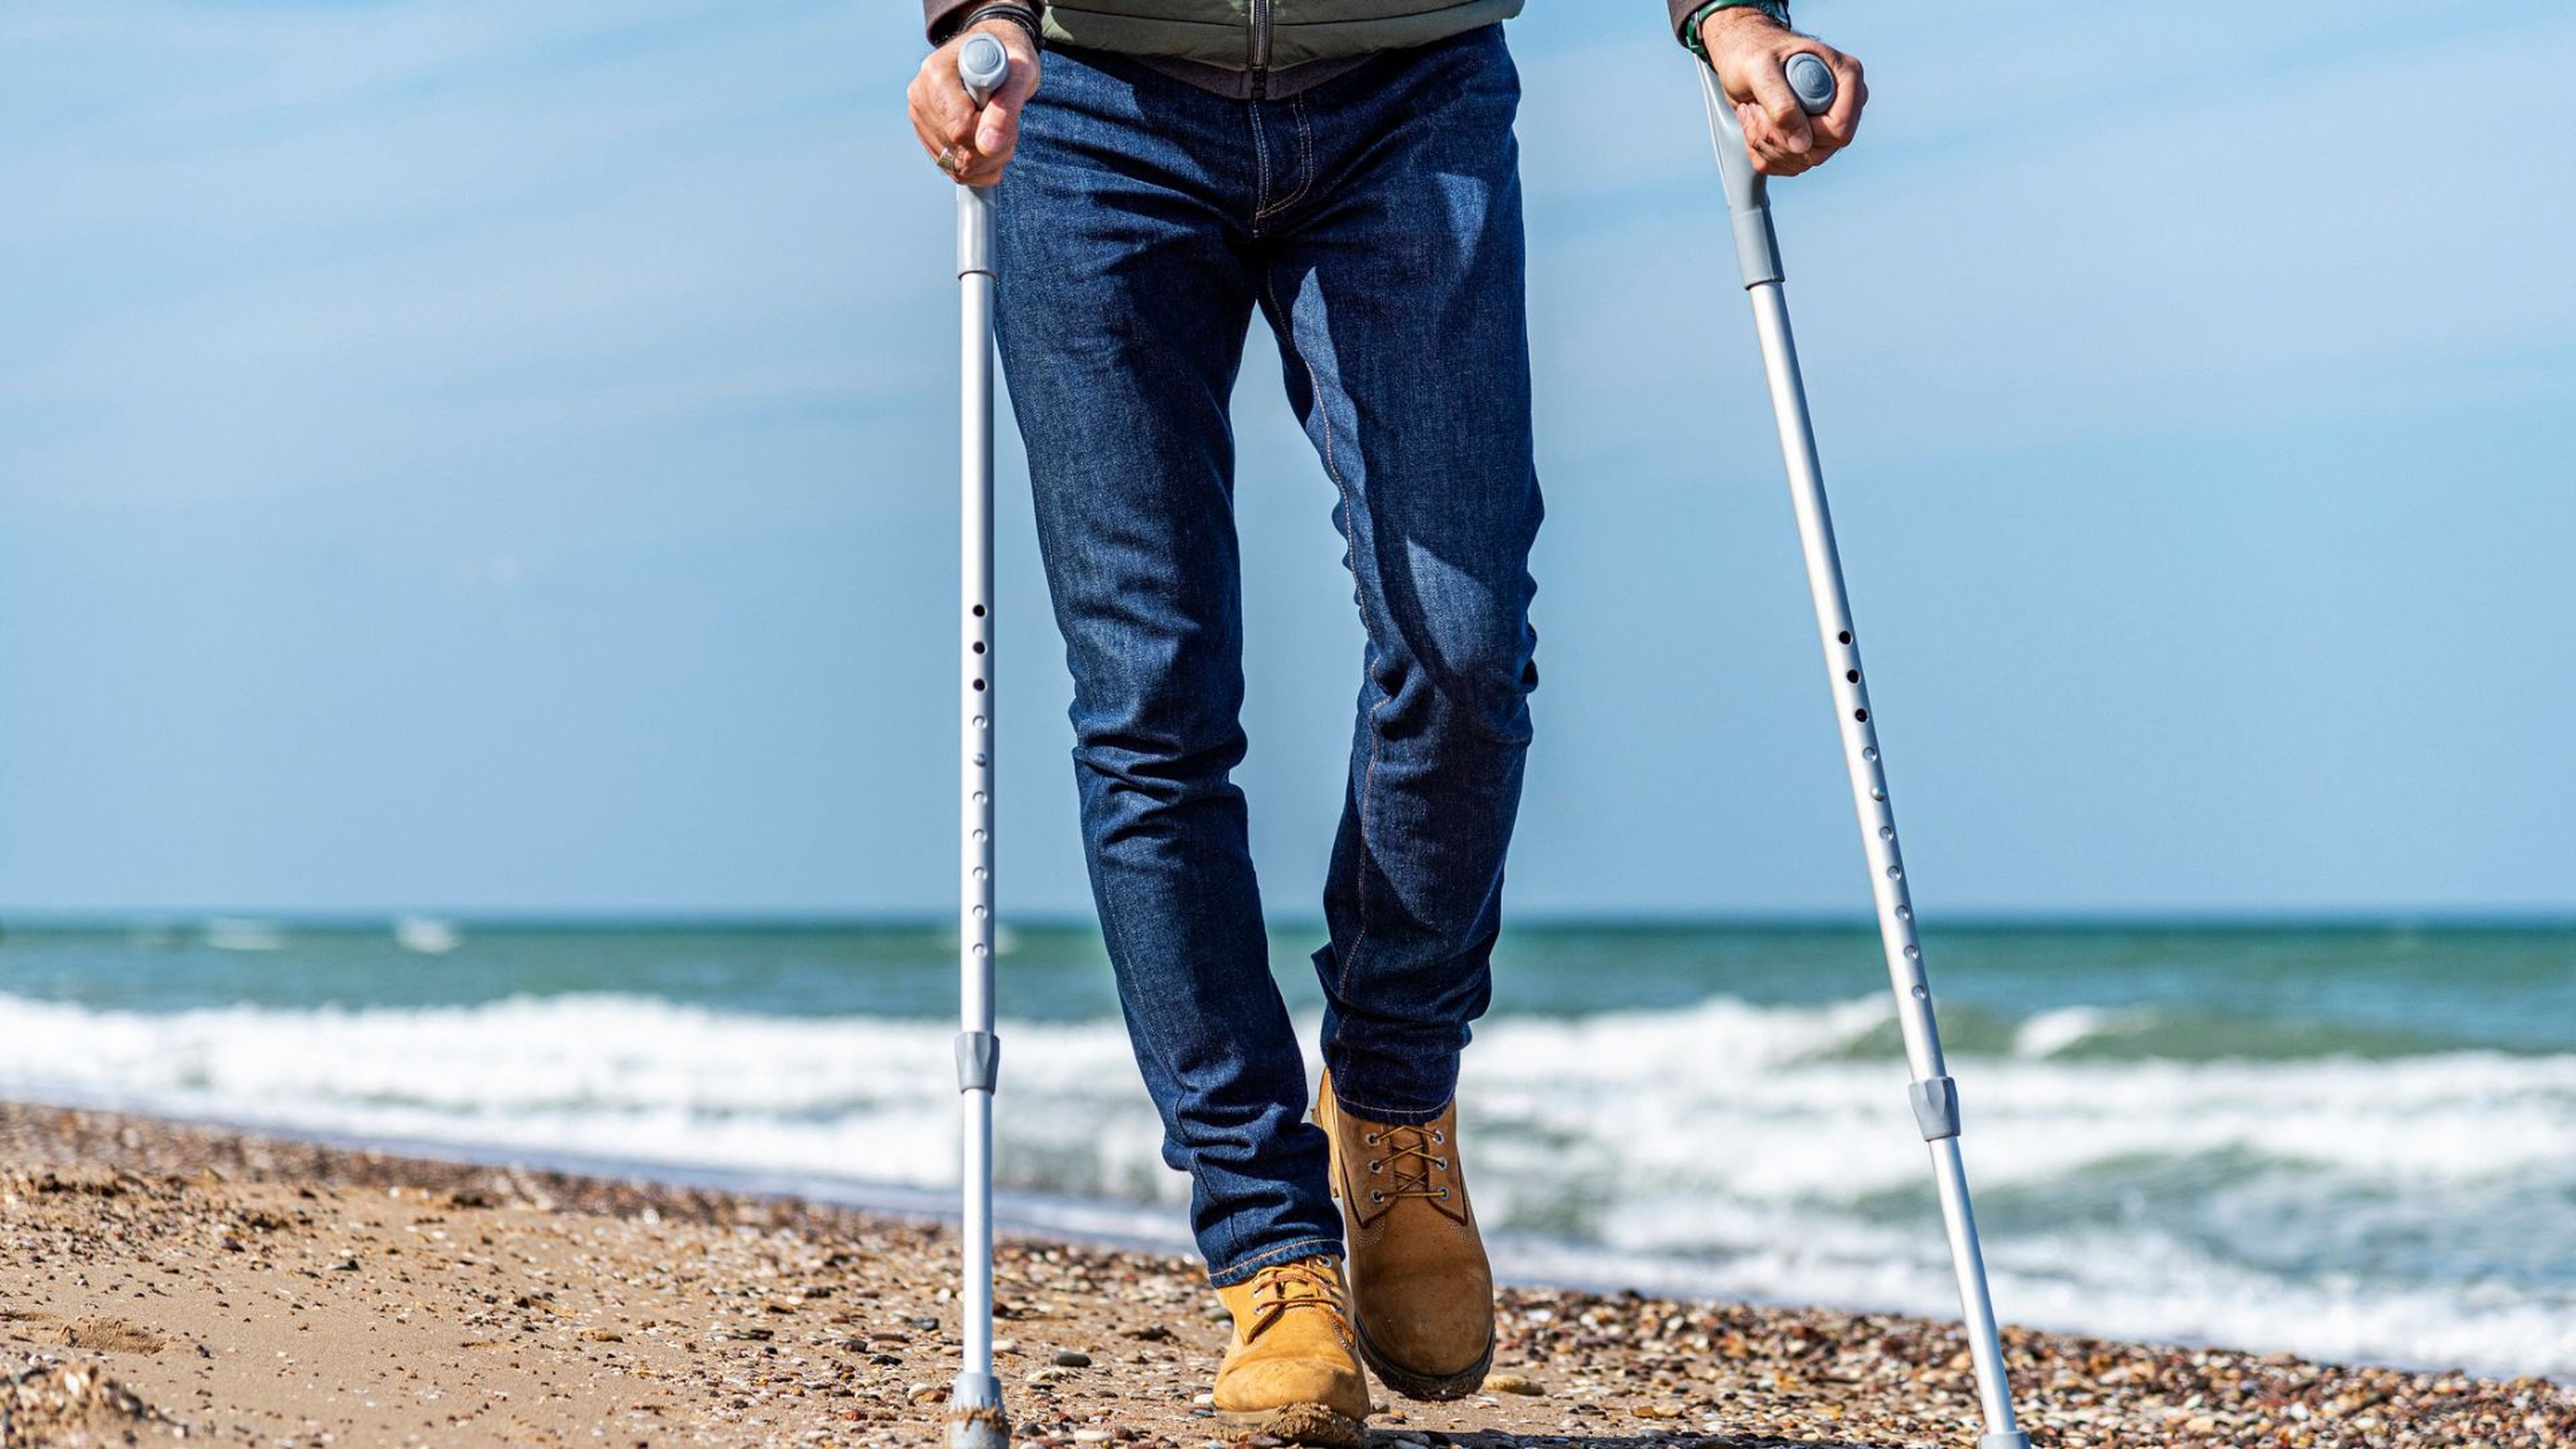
x=1750 y=52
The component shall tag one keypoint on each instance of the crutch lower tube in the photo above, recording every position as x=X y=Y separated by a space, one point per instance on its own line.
x=1934 y=1095
x=975 y=1416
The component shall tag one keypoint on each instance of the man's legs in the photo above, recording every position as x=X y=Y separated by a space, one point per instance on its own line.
x=1396 y=291
x=1124 y=300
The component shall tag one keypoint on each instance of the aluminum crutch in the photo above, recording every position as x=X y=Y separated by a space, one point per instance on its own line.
x=975 y=1416
x=1935 y=1096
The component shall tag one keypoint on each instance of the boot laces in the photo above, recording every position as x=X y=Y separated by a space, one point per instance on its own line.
x=1413 y=1154
x=1312 y=1283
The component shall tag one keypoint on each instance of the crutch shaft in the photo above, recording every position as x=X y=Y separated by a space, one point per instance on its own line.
x=1934 y=1095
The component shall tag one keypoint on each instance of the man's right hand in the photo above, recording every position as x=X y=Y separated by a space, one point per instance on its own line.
x=1750 y=51
x=969 y=144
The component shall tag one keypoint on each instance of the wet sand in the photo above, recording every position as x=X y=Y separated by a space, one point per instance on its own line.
x=167 y=1283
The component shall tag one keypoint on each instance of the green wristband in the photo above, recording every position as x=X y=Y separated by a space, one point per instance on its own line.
x=1690 y=30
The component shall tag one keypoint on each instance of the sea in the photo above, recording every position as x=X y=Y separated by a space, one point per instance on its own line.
x=2350 y=1140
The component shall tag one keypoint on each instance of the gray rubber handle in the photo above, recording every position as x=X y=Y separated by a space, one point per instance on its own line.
x=982 y=66
x=1812 y=81
x=1748 y=206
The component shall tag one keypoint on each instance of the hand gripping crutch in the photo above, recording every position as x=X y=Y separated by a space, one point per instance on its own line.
x=975 y=1417
x=1935 y=1096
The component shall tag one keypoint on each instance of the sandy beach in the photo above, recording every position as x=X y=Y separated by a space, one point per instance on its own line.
x=164 y=1283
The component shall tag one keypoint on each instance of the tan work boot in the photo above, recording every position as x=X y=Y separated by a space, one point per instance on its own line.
x=1422 y=1296
x=1289 y=1371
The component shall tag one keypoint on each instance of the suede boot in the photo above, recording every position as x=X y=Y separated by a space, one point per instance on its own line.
x=1422 y=1294
x=1289 y=1370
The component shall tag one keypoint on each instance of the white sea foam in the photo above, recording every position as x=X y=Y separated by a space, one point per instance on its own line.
x=2051 y=1032
x=2415 y=1209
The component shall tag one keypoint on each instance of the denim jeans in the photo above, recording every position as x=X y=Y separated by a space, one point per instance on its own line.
x=1374 y=221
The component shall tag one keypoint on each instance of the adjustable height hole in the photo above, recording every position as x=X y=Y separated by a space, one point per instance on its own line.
x=1862 y=715
x=979 y=646
x=979 y=684
x=979 y=613
x=1844 y=636
x=1852 y=674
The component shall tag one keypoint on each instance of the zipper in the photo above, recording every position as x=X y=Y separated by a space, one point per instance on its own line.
x=1260 y=49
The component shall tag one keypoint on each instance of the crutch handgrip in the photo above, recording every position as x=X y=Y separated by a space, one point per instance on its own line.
x=1757 y=251
x=1812 y=81
x=982 y=66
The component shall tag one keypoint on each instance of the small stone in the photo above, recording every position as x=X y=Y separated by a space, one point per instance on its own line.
x=1515 y=1384
x=1069 y=1358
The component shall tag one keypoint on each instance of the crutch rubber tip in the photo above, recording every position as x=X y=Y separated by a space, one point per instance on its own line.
x=2014 y=1440
x=1813 y=82
x=975 y=1417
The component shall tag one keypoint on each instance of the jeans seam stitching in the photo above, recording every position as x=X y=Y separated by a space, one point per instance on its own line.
x=1350 y=545
x=1350 y=518
x=1261 y=160
x=1306 y=163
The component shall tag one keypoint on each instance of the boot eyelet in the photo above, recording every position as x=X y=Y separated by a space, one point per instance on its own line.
x=1376 y=1196
x=1441 y=1162
x=1374 y=1165
x=1444 y=1194
x=1369 y=1141
x=1437 y=1140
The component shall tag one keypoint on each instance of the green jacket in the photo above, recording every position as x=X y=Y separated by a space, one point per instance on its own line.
x=1266 y=34
x=1253 y=34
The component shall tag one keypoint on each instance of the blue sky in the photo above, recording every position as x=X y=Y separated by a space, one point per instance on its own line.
x=481 y=457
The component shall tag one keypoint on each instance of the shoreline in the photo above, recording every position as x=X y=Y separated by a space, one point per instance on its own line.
x=164 y=1281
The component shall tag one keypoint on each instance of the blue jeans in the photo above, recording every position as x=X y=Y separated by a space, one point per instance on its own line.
x=1375 y=222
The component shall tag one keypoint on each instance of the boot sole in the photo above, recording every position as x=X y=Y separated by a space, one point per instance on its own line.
x=1299 y=1424
x=1428 y=1388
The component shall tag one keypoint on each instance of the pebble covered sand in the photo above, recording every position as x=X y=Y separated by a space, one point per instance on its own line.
x=163 y=1283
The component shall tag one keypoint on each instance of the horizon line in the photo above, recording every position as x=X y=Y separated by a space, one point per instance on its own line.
x=786 y=922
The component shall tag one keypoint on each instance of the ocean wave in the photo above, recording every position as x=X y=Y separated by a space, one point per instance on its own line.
x=2414 y=1209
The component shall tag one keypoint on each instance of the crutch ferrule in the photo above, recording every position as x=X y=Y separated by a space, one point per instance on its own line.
x=975 y=1417
x=1936 y=1111
x=979 y=1061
